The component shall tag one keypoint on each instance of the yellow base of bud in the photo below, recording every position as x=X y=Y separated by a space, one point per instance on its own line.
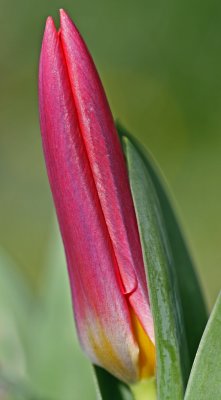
x=147 y=355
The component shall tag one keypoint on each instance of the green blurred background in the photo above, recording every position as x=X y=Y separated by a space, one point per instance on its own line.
x=160 y=63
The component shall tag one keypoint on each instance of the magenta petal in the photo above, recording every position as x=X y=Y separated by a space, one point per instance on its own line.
x=101 y=311
x=108 y=168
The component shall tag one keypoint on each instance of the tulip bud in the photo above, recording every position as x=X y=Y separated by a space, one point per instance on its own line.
x=91 y=192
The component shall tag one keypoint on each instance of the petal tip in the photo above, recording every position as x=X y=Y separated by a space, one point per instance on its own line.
x=49 y=47
x=66 y=23
x=50 y=32
x=50 y=26
x=64 y=17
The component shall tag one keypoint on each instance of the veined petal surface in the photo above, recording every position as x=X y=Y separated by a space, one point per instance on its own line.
x=108 y=168
x=101 y=311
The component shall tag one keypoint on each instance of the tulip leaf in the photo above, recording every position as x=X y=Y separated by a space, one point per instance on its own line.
x=110 y=387
x=167 y=313
x=16 y=301
x=57 y=369
x=205 y=378
x=11 y=389
x=192 y=300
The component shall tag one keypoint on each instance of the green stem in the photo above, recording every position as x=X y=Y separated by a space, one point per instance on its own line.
x=145 y=390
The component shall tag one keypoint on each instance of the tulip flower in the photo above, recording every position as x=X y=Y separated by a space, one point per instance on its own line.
x=91 y=192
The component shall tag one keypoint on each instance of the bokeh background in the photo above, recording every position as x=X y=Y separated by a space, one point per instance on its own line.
x=160 y=63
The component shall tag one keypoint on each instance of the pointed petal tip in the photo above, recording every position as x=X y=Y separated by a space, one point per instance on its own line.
x=50 y=26
x=63 y=15
x=50 y=31
x=66 y=22
x=49 y=46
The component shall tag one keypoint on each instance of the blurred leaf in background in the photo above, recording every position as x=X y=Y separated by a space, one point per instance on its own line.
x=38 y=345
x=57 y=363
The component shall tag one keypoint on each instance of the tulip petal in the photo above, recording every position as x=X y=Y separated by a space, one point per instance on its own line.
x=101 y=312
x=108 y=168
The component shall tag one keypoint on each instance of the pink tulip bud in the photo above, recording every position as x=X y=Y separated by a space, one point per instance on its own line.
x=91 y=192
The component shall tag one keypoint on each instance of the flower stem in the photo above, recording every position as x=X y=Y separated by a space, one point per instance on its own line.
x=145 y=389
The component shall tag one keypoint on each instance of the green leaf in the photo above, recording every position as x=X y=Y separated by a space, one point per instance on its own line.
x=205 y=378
x=110 y=387
x=165 y=303
x=57 y=364
x=14 y=389
x=15 y=295
x=192 y=300
x=14 y=302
